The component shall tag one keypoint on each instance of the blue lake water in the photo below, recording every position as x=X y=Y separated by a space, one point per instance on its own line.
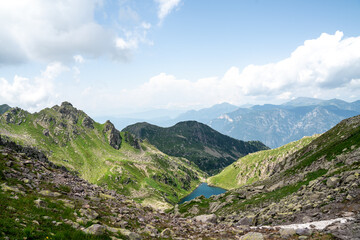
x=203 y=189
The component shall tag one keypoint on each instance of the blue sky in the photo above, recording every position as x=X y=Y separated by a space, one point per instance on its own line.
x=117 y=57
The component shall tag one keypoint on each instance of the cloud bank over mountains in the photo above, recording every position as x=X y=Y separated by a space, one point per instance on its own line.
x=323 y=67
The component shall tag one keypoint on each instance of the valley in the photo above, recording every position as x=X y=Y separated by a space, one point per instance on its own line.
x=105 y=183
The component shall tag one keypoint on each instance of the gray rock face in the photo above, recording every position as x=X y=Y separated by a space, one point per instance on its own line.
x=68 y=112
x=88 y=123
x=113 y=135
x=211 y=218
x=332 y=181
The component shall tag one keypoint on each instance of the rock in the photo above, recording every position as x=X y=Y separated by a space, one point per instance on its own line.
x=211 y=218
x=166 y=233
x=114 y=137
x=90 y=214
x=214 y=206
x=194 y=210
x=248 y=220
x=88 y=122
x=129 y=234
x=95 y=229
x=277 y=185
x=134 y=236
x=332 y=182
x=306 y=219
x=287 y=232
x=46 y=132
x=35 y=222
x=252 y=236
x=261 y=187
x=304 y=232
x=39 y=203
x=11 y=189
x=106 y=196
x=350 y=178
x=48 y=193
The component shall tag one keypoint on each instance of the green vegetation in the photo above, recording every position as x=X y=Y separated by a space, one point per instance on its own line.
x=277 y=180
x=255 y=166
x=21 y=219
x=71 y=139
x=207 y=148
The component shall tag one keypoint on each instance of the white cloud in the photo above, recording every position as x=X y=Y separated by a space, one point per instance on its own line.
x=78 y=59
x=165 y=7
x=31 y=94
x=42 y=30
x=326 y=67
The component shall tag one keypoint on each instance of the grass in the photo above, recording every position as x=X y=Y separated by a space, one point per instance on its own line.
x=248 y=169
x=89 y=154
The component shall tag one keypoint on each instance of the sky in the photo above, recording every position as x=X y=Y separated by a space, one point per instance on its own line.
x=117 y=57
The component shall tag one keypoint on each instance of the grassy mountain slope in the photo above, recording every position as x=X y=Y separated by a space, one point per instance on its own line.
x=319 y=181
x=256 y=166
x=40 y=200
x=4 y=108
x=207 y=148
x=103 y=155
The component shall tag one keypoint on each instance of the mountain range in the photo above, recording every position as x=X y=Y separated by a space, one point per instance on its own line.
x=273 y=125
x=207 y=148
x=65 y=176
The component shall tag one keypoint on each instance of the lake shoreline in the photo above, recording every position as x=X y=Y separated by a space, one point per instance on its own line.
x=202 y=189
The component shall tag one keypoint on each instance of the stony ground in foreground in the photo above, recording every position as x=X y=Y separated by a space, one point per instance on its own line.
x=40 y=200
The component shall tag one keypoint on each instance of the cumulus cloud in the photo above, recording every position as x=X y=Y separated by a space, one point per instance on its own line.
x=325 y=67
x=34 y=93
x=165 y=7
x=57 y=30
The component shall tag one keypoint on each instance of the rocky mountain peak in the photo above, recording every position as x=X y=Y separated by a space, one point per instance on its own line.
x=113 y=135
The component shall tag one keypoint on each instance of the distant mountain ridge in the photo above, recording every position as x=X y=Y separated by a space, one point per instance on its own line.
x=207 y=148
x=277 y=125
x=4 y=108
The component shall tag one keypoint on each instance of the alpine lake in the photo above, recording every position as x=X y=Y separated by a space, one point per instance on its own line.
x=203 y=189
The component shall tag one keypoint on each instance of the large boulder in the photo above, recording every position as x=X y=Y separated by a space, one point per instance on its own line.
x=332 y=182
x=211 y=218
x=95 y=229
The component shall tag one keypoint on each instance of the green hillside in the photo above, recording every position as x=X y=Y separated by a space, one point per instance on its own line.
x=319 y=181
x=256 y=166
x=207 y=148
x=103 y=155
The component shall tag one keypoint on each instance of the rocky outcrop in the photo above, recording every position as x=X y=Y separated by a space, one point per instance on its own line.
x=15 y=116
x=113 y=135
x=88 y=122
